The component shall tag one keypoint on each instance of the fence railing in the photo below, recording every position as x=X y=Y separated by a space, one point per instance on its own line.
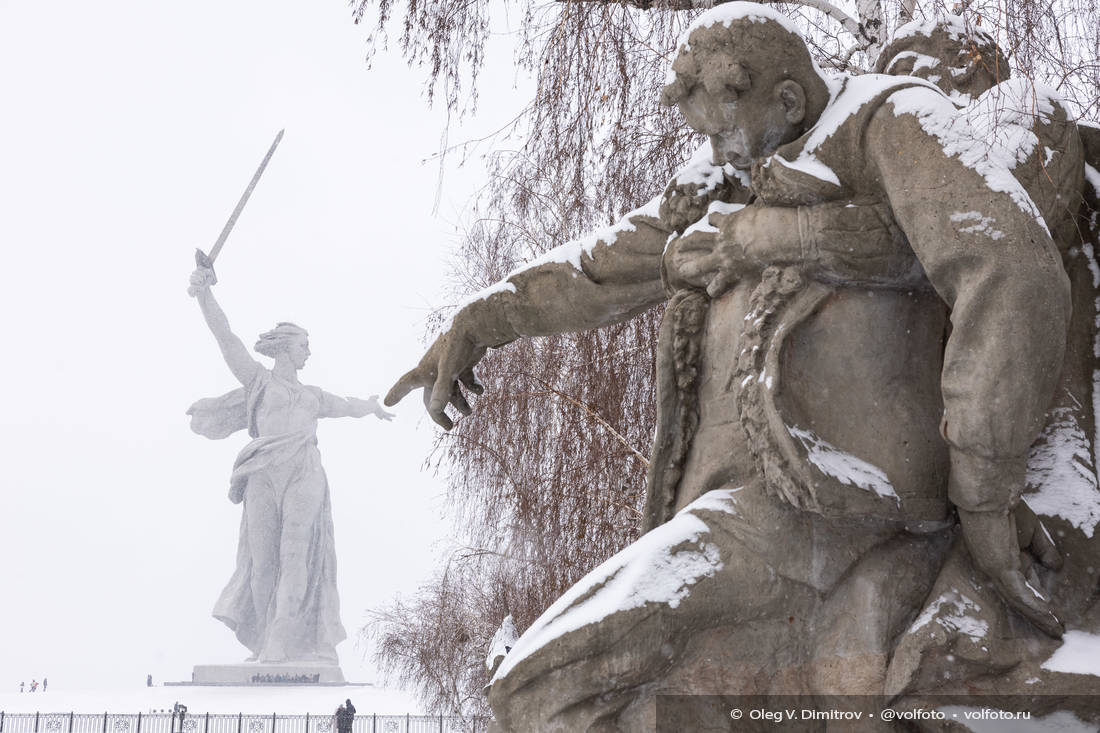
x=239 y=723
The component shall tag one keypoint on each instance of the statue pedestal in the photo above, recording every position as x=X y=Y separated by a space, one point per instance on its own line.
x=260 y=673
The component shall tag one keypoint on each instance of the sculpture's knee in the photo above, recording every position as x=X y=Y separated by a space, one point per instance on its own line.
x=584 y=679
x=863 y=614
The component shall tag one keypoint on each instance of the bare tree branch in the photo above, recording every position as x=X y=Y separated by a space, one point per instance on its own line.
x=849 y=23
x=595 y=416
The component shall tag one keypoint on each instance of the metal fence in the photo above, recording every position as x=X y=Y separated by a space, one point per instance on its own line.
x=239 y=723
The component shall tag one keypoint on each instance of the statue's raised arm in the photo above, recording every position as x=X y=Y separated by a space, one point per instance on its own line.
x=236 y=355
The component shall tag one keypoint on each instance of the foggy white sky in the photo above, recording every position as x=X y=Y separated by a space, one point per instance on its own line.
x=128 y=130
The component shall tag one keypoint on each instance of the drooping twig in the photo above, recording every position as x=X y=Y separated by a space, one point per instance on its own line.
x=594 y=415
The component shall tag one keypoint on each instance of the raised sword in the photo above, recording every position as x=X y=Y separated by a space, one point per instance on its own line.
x=207 y=260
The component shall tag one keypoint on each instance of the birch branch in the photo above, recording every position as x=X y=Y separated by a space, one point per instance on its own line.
x=594 y=415
x=850 y=24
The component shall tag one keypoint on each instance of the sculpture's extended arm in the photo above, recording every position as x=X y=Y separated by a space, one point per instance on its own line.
x=989 y=256
x=233 y=350
x=335 y=406
x=608 y=278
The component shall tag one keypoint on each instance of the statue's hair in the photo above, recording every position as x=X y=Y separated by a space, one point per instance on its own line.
x=724 y=58
x=273 y=342
x=946 y=40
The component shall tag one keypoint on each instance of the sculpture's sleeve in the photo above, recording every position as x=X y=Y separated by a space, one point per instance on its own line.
x=988 y=254
x=331 y=405
x=608 y=277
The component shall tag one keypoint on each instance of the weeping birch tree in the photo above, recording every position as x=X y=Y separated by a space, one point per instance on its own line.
x=547 y=476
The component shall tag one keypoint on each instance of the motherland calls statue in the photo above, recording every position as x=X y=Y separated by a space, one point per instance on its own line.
x=879 y=336
x=282 y=601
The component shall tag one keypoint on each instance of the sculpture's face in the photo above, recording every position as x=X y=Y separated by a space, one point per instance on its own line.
x=742 y=126
x=298 y=351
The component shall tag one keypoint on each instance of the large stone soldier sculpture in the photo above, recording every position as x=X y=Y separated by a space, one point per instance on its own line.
x=865 y=331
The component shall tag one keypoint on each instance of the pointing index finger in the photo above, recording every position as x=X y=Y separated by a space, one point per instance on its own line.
x=410 y=381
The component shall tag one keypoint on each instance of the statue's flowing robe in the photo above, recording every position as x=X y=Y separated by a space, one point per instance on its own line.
x=277 y=469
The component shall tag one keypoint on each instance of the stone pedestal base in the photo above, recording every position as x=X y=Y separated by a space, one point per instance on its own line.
x=258 y=673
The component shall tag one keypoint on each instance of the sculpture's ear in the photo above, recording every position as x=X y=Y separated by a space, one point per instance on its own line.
x=792 y=96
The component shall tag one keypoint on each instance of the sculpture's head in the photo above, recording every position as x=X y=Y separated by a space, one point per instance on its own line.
x=745 y=78
x=285 y=339
x=951 y=54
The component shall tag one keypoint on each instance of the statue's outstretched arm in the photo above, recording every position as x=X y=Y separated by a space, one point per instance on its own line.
x=336 y=406
x=987 y=252
x=607 y=278
x=236 y=356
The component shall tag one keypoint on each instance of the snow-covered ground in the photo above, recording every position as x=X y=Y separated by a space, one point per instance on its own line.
x=288 y=700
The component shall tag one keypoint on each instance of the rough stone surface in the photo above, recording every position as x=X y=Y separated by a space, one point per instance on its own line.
x=875 y=466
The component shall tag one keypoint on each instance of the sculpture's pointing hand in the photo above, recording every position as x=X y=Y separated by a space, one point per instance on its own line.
x=409 y=381
x=994 y=544
x=449 y=362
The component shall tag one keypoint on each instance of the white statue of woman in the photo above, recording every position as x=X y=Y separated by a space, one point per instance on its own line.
x=282 y=601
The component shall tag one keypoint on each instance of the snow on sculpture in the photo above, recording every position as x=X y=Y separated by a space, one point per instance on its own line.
x=879 y=296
